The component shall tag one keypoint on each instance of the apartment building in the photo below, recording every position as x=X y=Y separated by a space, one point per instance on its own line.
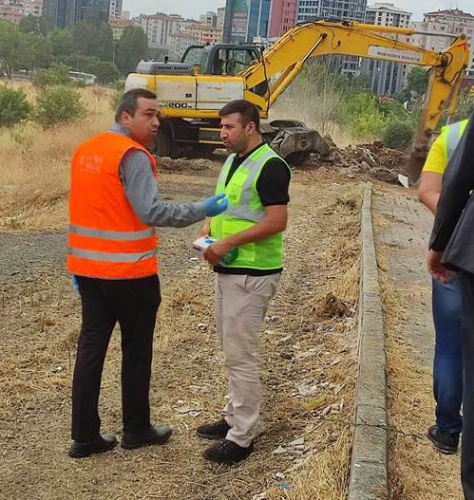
x=179 y=42
x=116 y=8
x=14 y=10
x=158 y=27
x=352 y=10
x=438 y=28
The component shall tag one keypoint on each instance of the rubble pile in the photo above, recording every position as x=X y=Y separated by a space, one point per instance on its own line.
x=372 y=159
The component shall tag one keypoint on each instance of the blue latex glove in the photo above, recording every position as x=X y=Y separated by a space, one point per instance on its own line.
x=74 y=282
x=216 y=204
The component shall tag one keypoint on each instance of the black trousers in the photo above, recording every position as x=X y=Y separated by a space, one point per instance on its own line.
x=467 y=445
x=133 y=303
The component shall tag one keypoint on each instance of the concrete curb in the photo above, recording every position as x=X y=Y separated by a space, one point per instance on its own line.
x=368 y=473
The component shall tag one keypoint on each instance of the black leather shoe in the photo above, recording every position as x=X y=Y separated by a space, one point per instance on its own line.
x=154 y=435
x=105 y=442
x=227 y=452
x=445 y=442
x=216 y=430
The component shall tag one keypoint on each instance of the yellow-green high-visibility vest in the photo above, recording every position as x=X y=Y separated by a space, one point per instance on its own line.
x=453 y=133
x=245 y=210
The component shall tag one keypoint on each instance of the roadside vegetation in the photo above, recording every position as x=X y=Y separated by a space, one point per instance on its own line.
x=338 y=105
x=29 y=47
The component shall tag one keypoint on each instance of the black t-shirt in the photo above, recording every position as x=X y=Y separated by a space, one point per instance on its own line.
x=273 y=182
x=272 y=187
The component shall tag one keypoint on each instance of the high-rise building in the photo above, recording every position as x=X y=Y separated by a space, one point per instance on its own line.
x=220 y=20
x=92 y=11
x=236 y=21
x=259 y=19
x=246 y=20
x=386 y=78
x=115 y=9
x=350 y=10
x=347 y=10
x=282 y=17
x=66 y=13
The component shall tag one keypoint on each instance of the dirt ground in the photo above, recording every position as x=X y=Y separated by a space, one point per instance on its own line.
x=308 y=358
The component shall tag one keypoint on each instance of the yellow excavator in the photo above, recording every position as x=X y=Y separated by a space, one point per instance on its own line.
x=192 y=91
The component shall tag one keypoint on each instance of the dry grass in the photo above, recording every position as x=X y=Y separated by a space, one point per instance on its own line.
x=34 y=164
x=308 y=345
x=308 y=373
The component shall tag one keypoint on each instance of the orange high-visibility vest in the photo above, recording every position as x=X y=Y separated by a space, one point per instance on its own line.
x=106 y=238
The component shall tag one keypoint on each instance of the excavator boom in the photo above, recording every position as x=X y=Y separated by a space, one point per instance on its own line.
x=191 y=100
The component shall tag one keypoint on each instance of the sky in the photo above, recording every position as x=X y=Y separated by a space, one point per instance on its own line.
x=192 y=8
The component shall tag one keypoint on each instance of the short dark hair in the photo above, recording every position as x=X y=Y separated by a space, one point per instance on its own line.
x=248 y=112
x=129 y=101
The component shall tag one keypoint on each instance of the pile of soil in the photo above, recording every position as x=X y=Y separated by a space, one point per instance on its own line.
x=371 y=159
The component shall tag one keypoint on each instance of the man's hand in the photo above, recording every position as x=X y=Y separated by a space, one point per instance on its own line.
x=435 y=268
x=217 y=250
x=204 y=229
x=216 y=204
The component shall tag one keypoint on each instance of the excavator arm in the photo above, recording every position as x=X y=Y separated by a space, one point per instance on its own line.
x=190 y=99
x=282 y=63
x=286 y=58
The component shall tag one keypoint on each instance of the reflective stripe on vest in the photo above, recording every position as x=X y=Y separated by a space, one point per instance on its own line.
x=245 y=210
x=113 y=257
x=453 y=136
x=113 y=235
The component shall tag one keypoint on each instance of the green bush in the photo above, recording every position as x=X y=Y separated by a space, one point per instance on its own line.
x=58 y=105
x=398 y=135
x=105 y=71
x=56 y=74
x=14 y=107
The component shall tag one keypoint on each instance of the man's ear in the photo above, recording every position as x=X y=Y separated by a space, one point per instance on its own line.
x=250 y=128
x=124 y=117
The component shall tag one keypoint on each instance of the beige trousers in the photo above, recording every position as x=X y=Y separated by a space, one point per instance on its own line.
x=241 y=304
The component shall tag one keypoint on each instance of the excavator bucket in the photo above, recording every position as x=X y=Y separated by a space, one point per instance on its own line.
x=413 y=168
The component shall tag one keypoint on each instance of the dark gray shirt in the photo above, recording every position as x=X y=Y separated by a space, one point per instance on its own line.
x=142 y=192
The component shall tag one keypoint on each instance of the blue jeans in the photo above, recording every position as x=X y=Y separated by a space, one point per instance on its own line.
x=447 y=366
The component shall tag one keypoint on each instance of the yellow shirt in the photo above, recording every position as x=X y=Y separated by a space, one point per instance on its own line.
x=437 y=159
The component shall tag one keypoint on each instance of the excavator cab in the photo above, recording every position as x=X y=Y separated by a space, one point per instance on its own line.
x=222 y=58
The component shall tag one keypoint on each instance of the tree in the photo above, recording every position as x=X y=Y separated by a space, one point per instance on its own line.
x=418 y=82
x=62 y=41
x=105 y=71
x=40 y=50
x=90 y=40
x=14 y=53
x=131 y=49
x=33 y=24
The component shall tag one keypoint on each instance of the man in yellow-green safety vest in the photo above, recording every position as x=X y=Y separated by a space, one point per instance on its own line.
x=248 y=259
x=446 y=308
